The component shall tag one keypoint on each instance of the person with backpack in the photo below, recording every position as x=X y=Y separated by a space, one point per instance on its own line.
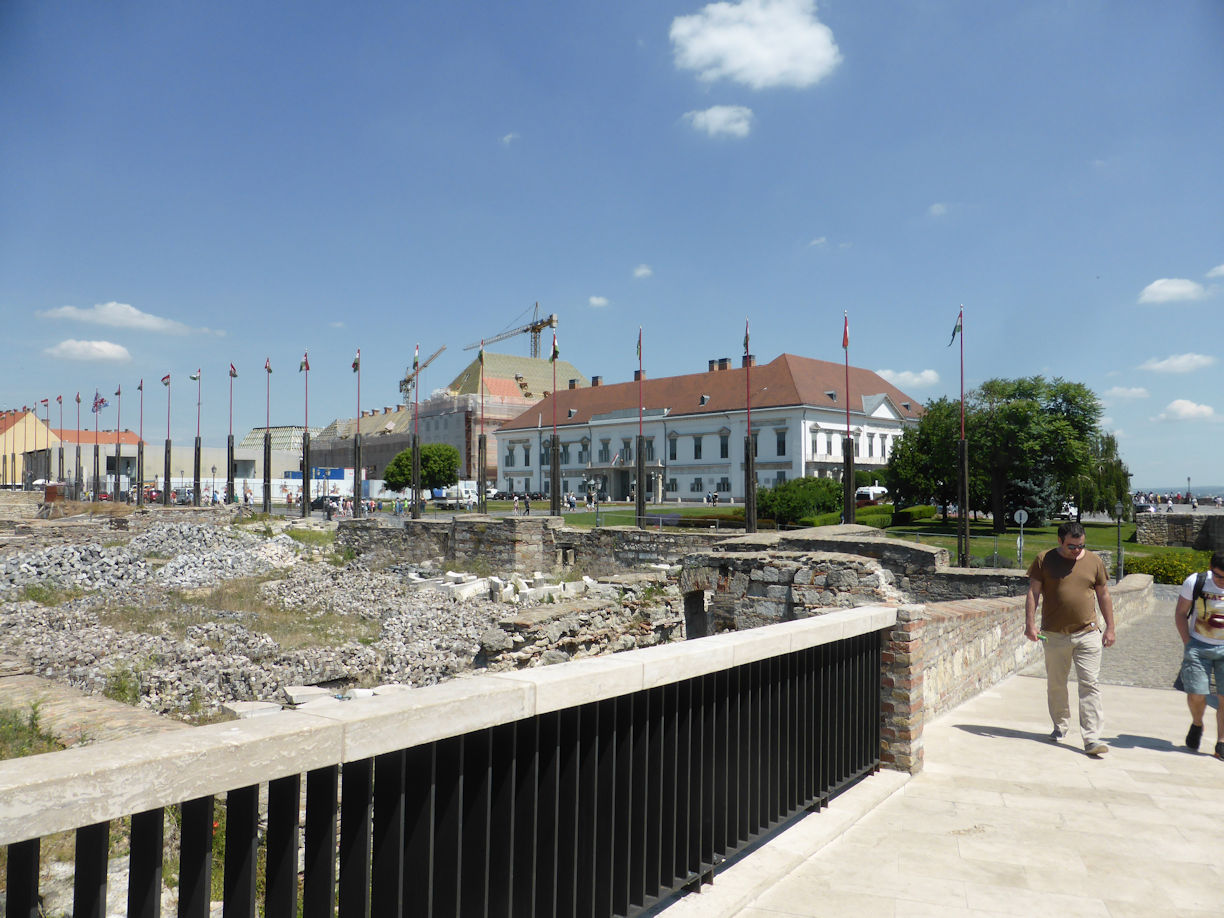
x=1199 y=617
x=1070 y=582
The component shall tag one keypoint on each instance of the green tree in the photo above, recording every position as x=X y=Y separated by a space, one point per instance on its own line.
x=1105 y=479
x=439 y=467
x=792 y=500
x=922 y=466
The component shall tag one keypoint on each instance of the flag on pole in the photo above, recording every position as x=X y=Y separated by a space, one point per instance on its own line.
x=140 y=386
x=99 y=402
x=194 y=377
x=416 y=358
x=59 y=400
x=119 y=391
x=555 y=351
x=166 y=380
x=46 y=401
x=268 y=364
x=956 y=329
x=305 y=364
x=357 y=361
x=233 y=372
x=846 y=333
x=78 y=398
x=745 y=337
x=479 y=356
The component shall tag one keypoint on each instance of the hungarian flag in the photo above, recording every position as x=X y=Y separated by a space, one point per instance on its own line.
x=357 y=361
x=166 y=380
x=556 y=352
x=233 y=372
x=46 y=401
x=140 y=386
x=416 y=358
x=195 y=377
x=119 y=391
x=846 y=332
x=59 y=400
x=480 y=356
x=268 y=364
x=639 y=342
x=745 y=337
x=78 y=398
x=956 y=329
x=305 y=364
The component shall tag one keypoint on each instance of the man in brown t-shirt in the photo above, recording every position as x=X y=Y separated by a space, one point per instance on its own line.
x=1070 y=582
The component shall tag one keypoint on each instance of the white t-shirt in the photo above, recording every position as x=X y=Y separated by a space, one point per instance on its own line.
x=1207 y=615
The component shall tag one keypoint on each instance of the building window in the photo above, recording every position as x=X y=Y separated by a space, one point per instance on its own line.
x=724 y=484
x=696 y=447
x=509 y=463
x=781 y=442
x=780 y=478
x=526 y=455
x=605 y=450
x=649 y=448
x=565 y=454
x=673 y=485
x=697 y=486
x=724 y=446
x=671 y=449
x=756 y=444
x=627 y=450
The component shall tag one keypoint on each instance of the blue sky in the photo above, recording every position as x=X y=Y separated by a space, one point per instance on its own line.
x=188 y=185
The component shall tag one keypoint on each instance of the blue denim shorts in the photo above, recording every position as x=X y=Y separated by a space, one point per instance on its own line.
x=1199 y=660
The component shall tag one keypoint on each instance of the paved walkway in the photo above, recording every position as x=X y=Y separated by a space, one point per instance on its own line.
x=1003 y=822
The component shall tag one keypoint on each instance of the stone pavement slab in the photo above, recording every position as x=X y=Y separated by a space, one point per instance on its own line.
x=1003 y=822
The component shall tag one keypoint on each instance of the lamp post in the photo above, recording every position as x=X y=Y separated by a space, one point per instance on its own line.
x=212 y=488
x=1118 y=517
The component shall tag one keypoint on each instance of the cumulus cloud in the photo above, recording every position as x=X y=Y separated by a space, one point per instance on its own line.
x=732 y=120
x=510 y=138
x=121 y=315
x=819 y=241
x=1178 y=363
x=598 y=301
x=909 y=379
x=643 y=271
x=98 y=351
x=1217 y=271
x=1127 y=392
x=937 y=209
x=1172 y=290
x=1182 y=409
x=758 y=43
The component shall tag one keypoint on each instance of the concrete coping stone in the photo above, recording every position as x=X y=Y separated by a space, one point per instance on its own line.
x=57 y=791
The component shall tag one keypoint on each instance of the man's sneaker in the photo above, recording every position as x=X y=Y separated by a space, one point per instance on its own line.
x=1194 y=736
x=1096 y=750
x=1219 y=750
x=1056 y=735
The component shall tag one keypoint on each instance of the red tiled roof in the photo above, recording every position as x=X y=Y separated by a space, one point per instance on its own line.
x=785 y=381
x=503 y=388
x=105 y=437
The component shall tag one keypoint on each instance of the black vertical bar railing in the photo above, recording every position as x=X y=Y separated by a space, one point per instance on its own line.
x=599 y=810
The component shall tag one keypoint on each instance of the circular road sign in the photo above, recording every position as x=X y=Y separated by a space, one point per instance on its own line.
x=1021 y=517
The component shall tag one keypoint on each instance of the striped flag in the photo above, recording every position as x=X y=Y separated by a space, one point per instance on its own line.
x=416 y=358
x=357 y=361
x=305 y=364
x=957 y=329
x=233 y=372
x=59 y=400
x=166 y=380
x=140 y=386
x=556 y=352
x=119 y=391
x=194 y=377
x=846 y=332
x=268 y=364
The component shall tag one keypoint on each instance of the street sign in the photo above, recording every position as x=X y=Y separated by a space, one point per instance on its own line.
x=1021 y=517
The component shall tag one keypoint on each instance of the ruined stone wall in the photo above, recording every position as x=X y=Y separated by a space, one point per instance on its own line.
x=603 y=551
x=1204 y=531
x=19 y=505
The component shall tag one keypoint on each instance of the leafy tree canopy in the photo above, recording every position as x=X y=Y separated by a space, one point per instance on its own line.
x=439 y=467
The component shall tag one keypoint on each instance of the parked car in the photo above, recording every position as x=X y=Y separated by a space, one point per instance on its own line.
x=321 y=502
x=1068 y=511
x=184 y=497
x=503 y=495
x=152 y=496
x=1145 y=508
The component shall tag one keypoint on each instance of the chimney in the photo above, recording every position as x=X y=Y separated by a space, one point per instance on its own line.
x=637 y=375
x=724 y=363
x=748 y=360
x=386 y=410
x=573 y=384
x=713 y=366
x=596 y=381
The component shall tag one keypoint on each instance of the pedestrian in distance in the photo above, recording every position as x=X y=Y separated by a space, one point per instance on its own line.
x=1070 y=582
x=1199 y=617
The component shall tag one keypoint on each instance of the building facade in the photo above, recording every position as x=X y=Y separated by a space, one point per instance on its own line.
x=695 y=428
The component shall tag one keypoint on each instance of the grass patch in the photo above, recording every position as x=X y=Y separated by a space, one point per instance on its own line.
x=22 y=733
x=123 y=684
x=984 y=543
x=341 y=556
x=318 y=538
x=49 y=594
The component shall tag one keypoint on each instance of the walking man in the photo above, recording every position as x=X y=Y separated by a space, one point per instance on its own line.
x=1199 y=617
x=1070 y=582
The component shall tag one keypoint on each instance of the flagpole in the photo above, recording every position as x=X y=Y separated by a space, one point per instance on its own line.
x=481 y=442
x=848 y=507
x=77 y=471
x=358 y=497
x=118 y=440
x=267 y=444
x=168 y=468
x=963 y=497
x=750 y=519
x=140 y=449
x=305 y=507
x=59 y=400
x=640 y=381
x=554 y=451
x=197 y=470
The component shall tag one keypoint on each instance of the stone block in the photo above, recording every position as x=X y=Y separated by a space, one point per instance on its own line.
x=245 y=709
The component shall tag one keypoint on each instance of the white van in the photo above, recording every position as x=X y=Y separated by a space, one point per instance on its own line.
x=871 y=493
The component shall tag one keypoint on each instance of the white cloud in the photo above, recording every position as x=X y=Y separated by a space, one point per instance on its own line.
x=121 y=315
x=336 y=324
x=102 y=351
x=819 y=241
x=510 y=138
x=759 y=43
x=937 y=209
x=1217 y=271
x=598 y=301
x=1172 y=290
x=908 y=379
x=1178 y=363
x=735 y=120
x=1127 y=392
x=1181 y=409
x=643 y=271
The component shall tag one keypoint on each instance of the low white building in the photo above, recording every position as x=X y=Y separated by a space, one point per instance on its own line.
x=694 y=429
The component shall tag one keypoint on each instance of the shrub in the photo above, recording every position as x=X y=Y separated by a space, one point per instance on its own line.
x=911 y=515
x=792 y=500
x=1169 y=567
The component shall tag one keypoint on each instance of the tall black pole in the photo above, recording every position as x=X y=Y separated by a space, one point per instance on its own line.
x=229 y=466
x=306 y=474
x=482 y=446
x=848 y=480
x=962 y=527
x=195 y=497
x=267 y=471
x=416 y=478
x=166 y=477
x=554 y=475
x=750 y=508
x=639 y=491
x=358 y=497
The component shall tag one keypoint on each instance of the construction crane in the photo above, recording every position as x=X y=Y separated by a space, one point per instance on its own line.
x=409 y=381
x=535 y=326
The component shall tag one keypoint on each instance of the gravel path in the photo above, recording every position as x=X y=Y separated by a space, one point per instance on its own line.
x=1148 y=652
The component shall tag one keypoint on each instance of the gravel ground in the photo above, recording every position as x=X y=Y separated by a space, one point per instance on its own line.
x=1148 y=651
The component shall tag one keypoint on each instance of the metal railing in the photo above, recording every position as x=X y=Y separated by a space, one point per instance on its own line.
x=598 y=808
